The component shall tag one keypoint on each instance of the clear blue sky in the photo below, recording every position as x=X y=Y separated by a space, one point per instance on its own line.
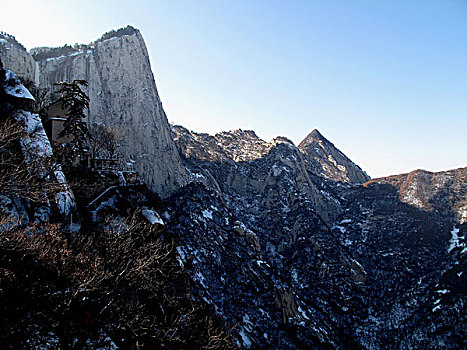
x=385 y=81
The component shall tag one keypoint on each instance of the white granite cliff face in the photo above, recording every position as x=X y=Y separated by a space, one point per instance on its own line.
x=17 y=59
x=123 y=95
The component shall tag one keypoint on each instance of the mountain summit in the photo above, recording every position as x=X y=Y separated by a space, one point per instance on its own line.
x=313 y=135
x=326 y=160
x=123 y=95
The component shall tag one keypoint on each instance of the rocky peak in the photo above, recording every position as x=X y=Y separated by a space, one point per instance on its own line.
x=240 y=133
x=198 y=145
x=46 y=53
x=324 y=159
x=266 y=175
x=314 y=135
x=242 y=145
x=237 y=145
x=123 y=95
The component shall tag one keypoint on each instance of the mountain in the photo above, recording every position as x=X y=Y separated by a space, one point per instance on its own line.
x=327 y=161
x=291 y=246
x=123 y=95
x=16 y=58
x=379 y=251
x=263 y=176
x=442 y=191
x=378 y=265
x=409 y=235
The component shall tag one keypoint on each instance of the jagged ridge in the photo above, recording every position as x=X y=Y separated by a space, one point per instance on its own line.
x=326 y=160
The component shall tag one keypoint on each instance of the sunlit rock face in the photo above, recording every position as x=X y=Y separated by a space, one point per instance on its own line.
x=264 y=175
x=441 y=191
x=123 y=95
x=324 y=159
x=16 y=58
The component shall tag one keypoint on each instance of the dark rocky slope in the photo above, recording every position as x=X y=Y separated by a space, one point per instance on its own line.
x=356 y=266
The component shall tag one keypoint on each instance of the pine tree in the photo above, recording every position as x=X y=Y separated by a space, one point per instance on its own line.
x=75 y=102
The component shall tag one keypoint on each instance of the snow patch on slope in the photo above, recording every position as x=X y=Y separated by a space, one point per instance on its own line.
x=457 y=241
x=12 y=86
x=152 y=216
x=35 y=143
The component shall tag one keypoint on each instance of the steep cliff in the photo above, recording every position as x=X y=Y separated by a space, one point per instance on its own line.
x=123 y=95
x=16 y=58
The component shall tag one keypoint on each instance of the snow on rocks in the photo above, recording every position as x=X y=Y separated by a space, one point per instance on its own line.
x=207 y=214
x=462 y=214
x=34 y=142
x=12 y=86
x=152 y=216
x=457 y=241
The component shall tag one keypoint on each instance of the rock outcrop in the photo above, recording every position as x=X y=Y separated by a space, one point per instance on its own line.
x=123 y=95
x=324 y=159
x=440 y=191
x=36 y=149
x=264 y=176
x=16 y=58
